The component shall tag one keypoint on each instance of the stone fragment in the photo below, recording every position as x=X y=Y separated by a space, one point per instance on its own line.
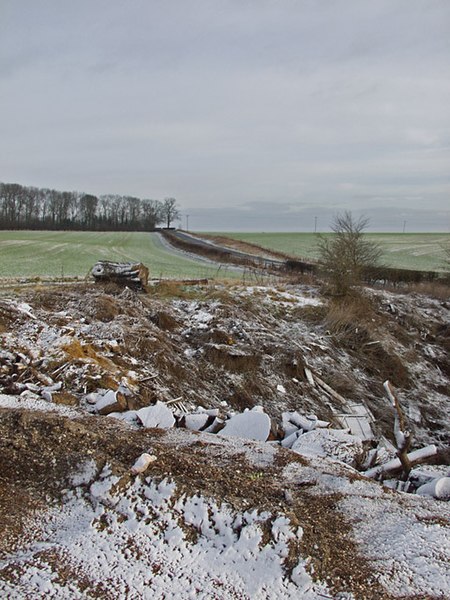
x=142 y=463
x=196 y=422
x=111 y=402
x=252 y=425
x=158 y=415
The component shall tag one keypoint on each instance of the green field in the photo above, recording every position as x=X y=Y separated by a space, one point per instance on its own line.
x=70 y=254
x=421 y=251
x=73 y=253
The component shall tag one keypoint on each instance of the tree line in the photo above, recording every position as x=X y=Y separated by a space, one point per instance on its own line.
x=23 y=207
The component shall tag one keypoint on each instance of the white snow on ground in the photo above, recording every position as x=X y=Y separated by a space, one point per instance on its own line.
x=271 y=295
x=31 y=401
x=411 y=553
x=405 y=536
x=147 y=543
x=258 y=454
x=406 y=539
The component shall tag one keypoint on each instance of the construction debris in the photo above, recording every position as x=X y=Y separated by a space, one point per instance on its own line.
x=131 y=274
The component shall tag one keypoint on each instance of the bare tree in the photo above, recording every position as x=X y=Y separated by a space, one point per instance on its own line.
x=24 y=207
x=151 y=214
x=88 y=208
x=169 y=211
x=347 y=253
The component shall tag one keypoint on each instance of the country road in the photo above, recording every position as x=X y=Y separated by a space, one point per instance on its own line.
x=161 y=241
x=230 y=253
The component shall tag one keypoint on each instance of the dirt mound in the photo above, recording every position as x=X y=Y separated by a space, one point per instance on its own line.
x=44 y=453
x=233 y=346
x=66 y=475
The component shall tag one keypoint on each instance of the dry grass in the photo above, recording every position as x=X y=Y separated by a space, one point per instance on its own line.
x=7 y=318
x=86 y=352
x=106 y=308
x=351 y=319
x=385 y=364
x=165 y=321
x=235 y=362
x=221 y=293
x=356 y=325
x=343 y=383
x=172 y=289
x=249 y=393
x=292 y=364
x=440 y=290
x=65 y=398
x=310 y=314
x=245 y=247
x=55 y=297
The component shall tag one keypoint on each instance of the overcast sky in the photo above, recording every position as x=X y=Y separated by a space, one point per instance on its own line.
x=254 y=114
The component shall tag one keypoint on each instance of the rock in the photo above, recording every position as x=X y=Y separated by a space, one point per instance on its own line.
x=111 y=402
x=215 y=426
x=299 y=421
x=196 y=422
x=54 y=388
x=330 y=443
x=32 y=387
x=129 y=416
x=289 y=440
x=158 y=415
x=142 y=463
x=437 y=488
x=92 y=398
x=251 y=425
x=212 y=412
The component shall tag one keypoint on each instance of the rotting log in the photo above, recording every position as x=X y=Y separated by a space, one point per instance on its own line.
x=131 y=274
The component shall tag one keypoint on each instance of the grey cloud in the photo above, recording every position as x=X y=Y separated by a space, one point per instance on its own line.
x=280 y=217
x=225 y=103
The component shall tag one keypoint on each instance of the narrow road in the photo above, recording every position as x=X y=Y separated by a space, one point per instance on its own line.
x=164 y=243
x=200 y=243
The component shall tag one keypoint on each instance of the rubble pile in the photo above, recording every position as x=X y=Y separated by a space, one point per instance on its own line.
x=244 y=362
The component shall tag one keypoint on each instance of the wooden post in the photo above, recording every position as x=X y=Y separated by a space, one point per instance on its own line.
x=403 y=437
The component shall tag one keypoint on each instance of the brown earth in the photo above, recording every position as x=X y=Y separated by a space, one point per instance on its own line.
x=41 y=450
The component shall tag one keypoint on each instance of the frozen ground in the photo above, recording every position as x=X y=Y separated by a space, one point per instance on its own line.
x=215 y=516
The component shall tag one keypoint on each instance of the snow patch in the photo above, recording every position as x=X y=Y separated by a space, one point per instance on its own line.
x=137 y=542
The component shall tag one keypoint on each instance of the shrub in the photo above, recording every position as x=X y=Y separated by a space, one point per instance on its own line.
x=345 y=255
